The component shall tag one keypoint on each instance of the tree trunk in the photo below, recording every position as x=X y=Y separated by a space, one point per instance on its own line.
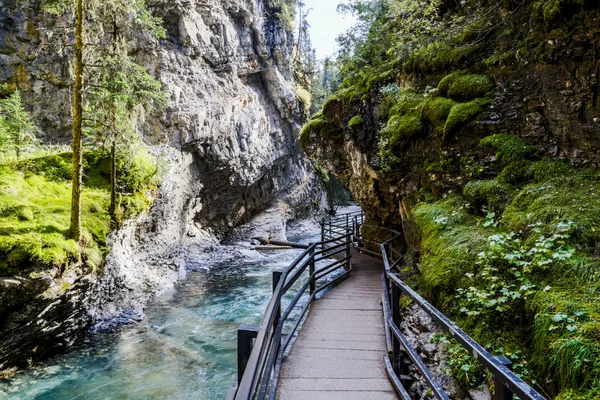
x=77 y=179
x=113 y=170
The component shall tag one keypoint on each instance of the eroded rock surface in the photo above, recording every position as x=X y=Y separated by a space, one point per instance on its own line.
x=230 y=134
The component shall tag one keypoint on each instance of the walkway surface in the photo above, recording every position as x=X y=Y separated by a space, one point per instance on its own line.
x=339 y=352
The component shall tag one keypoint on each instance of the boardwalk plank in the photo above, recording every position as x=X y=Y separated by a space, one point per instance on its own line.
x=339 y=351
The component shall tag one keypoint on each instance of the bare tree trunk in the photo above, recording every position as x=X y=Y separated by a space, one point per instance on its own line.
x=113 y=169
x=77 y=178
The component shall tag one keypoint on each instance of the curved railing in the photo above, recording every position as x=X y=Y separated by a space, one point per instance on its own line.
x=506 y=383
x=261 y=348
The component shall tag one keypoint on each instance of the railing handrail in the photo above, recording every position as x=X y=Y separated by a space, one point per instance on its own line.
x=267 y=352
x=266 y=357
x=497 y=365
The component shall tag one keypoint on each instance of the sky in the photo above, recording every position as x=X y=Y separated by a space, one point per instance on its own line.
x=326 y=24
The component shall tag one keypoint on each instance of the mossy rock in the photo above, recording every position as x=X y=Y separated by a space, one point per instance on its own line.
x=320 y=127
x=435 y=111
x=510 y=148
x=407 y=103
x=469 y=87
x=445 y=84
x=401 y=129
x=356 y=121
x=515 y=173
x=460 y=115
x=492 y=194
x=311 y=127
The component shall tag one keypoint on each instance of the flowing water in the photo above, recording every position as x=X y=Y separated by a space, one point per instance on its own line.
x=185 y=348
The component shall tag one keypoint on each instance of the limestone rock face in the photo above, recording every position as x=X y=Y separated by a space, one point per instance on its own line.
x=229 y=133
x=550 y=102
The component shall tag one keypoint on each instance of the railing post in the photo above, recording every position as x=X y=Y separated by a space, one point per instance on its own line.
x=347 y=226
x=311 y=270
x=322 y=233
x=395 y=300
x=348 y=252
x=502 y=392
x=276 y=278
x=246 y=334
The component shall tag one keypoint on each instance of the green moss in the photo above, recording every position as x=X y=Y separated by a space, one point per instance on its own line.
x=438 y=56
x=407 y=103
x=469 y=87
x=401 y=129
x=515 y=173
x=460 y=115
x=35 y=202
x=568 y=197
x=446 y=82
x=546 y=169
x=490 y=193
x=436 y=111
x=356 y=121
x=509 y=148
x=311 y=127
x=552 y=12
x=451 y=238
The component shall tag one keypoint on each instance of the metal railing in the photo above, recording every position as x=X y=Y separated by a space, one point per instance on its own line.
x=261 y=348
x=506 y=383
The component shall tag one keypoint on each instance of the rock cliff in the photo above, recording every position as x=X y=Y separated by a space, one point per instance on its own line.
x=230 y=135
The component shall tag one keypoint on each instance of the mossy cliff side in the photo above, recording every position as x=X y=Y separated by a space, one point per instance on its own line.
x=485 y=153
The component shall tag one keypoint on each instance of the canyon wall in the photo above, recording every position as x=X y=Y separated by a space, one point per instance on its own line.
x=229 y=136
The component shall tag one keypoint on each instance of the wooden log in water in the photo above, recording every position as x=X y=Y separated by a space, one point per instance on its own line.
x=271 y=247
x=280 y=243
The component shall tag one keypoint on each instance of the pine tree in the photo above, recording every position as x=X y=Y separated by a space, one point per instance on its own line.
x=16 y=127
x=121 y=14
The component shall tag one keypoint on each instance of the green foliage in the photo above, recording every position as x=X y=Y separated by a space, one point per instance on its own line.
x=451 y=238
x=489 y=194
x=284 y=11
x=16 y=127
x=509 y=148
x=570 y=197
x=460 y=115
x=469 y=87
x=436 y=111
x=400 y=129
x=507 y=269
x=463 y=366
x=356 y=121
x=35 y=200
x=518 y=268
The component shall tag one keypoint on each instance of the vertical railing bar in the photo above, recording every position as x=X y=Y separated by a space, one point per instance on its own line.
x=246 y=334
x=502 y=392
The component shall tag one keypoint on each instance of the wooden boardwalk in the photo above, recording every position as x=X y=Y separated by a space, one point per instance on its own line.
x=339 y=352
